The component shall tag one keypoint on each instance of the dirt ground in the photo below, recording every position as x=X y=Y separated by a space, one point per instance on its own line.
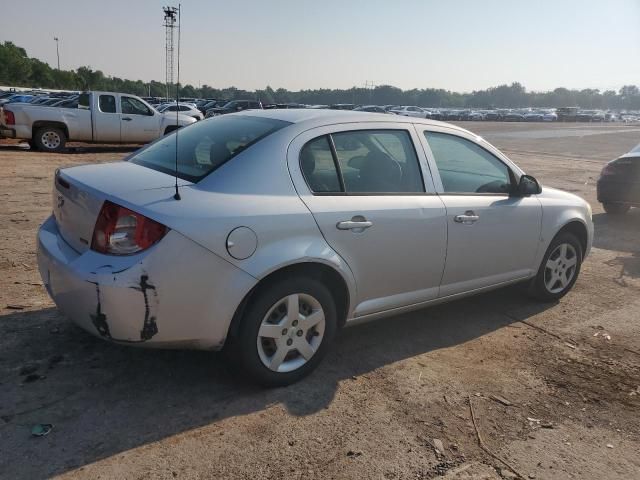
x=553 y=390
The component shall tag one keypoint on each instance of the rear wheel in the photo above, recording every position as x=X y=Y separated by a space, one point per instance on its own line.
x=50 y=139
x=285 y=331
x=559 y=269
x=616 y=208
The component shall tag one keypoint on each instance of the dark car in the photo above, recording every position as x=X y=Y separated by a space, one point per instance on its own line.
x=493 y=115
x=619 y=183
x=209 y=104
x=370 y=108
x=513 y=117
x=234 y=106
x=342 y=106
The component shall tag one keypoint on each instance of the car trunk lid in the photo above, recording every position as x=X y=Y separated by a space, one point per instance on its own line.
x=79 y=193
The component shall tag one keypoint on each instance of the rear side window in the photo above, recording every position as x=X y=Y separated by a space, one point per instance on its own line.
x=107 y=103
x=83 y=101
x=465 y=167
x=318 y=166
x=362 y=162
x=205 y=146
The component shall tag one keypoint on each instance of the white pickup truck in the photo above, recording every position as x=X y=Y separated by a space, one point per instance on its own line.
x=101 y=117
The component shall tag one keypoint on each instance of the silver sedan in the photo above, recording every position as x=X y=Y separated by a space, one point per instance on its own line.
x=290 y=224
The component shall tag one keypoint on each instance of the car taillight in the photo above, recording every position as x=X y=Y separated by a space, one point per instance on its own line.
x=120 y=231
x=9 y=117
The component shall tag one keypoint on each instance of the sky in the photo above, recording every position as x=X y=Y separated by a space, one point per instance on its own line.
x=459 y=45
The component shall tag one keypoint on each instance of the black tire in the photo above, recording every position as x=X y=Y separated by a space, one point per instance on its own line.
x=616 y=208
x=170 y=129
x=50 y=139
x=243 y=350
x=538 y=288
x=32 y=145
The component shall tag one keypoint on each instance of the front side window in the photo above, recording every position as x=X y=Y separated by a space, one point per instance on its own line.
x=465 y=167
x=205 y=146
x=107 y=104
x=133 y=106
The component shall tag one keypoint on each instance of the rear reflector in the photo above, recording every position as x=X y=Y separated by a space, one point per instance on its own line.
x=120 y=231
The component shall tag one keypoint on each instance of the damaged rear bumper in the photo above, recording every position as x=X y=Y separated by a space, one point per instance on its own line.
x=177 y=294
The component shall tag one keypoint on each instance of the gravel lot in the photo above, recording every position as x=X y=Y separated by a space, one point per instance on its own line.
x=551 y=395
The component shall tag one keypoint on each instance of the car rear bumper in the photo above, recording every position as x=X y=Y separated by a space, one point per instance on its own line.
x=174 y=295
x=6 y=132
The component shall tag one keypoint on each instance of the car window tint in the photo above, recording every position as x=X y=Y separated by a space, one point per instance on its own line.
x=378 y=161
x=465 y=167
x=133 y=106
x=318 y=167
x=107 y=104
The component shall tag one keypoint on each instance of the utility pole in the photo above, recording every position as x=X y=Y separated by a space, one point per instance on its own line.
x=57 y=50
x=170 y=17
x=369 y=85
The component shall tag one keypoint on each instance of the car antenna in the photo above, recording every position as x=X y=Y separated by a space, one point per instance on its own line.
x=177 y=194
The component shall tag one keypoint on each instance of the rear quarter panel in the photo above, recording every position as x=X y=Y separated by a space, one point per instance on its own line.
x=77 y=121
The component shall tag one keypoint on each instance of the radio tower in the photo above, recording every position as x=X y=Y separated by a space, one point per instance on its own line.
x=170 y=17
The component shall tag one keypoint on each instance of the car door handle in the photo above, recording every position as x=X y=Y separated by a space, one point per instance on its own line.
x=354 y=225
x=126 y=119
x=468 y=218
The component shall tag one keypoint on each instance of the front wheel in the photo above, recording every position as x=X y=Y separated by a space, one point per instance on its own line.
x=559 y=269
x=50 y=139
x=616 y=208
x=285 y=331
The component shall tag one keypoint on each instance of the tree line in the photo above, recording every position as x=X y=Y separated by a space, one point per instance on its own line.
x=17 y=68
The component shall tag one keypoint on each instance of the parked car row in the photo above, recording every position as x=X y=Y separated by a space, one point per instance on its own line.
x=42 y=98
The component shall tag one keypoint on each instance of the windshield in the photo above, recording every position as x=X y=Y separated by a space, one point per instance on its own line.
x=204 y=146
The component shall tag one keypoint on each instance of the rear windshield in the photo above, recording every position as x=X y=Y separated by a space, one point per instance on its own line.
x=205 y=145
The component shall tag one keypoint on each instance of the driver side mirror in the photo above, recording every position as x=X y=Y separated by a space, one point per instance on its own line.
x=528 y=185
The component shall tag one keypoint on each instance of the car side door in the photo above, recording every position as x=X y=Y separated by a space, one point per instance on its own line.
x=106 y=119
x=371 y=194
x=493 y=235
x=139 y=123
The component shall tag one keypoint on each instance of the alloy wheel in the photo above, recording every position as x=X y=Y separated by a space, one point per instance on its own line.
x=291 y=332
x=560 y=268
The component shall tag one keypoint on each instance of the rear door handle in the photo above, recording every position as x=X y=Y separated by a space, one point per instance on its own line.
x=126 y=119
x=354 y=225
x=468 y=218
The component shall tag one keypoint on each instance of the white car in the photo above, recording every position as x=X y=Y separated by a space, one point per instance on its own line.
x=410 y=111
x=278 y=227
x=184 y=108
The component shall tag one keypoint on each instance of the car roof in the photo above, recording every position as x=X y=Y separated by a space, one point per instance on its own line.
x=315 y=117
